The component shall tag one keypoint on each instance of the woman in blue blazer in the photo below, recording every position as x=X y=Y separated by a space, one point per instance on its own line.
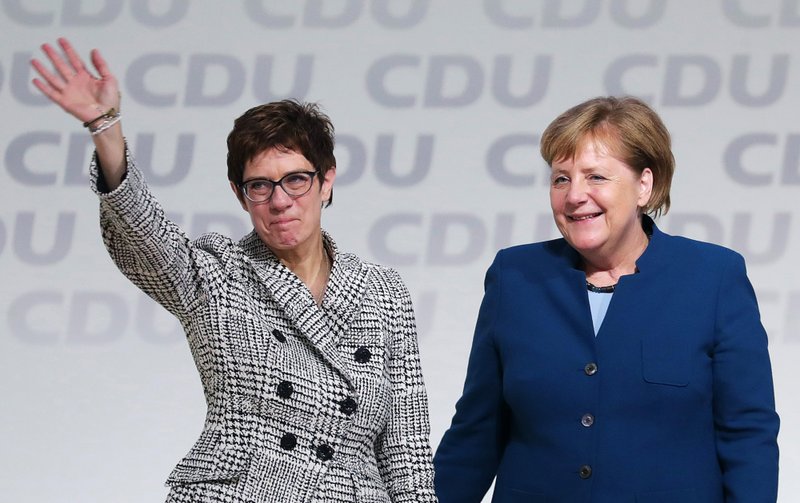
x=618 y=364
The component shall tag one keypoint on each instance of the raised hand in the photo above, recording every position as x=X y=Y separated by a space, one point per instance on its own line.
x=72 y=86
x=93 y=100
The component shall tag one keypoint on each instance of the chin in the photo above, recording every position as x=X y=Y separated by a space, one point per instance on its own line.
x=278 y=242
x=585 y=244
x=285 y=244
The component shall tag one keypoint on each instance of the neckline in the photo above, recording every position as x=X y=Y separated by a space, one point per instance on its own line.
x=601 y=289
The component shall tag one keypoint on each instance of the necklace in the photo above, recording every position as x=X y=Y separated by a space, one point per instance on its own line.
x=323 y=275
x=600 y=289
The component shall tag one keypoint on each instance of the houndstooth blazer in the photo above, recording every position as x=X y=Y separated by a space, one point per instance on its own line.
x=305 y=404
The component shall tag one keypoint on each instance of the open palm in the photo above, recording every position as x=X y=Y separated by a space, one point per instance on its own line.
x=71 y=85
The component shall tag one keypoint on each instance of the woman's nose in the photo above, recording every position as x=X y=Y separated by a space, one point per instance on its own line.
x=576 y=193
x=280 y=199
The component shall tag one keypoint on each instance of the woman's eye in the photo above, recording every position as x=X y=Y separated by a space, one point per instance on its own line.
x=560 y=180
x=258 y=185
x=296 y=179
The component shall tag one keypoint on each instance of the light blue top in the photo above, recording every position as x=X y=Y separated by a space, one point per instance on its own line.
x=598 y=303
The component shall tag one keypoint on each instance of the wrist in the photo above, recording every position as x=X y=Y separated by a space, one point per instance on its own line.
x=109 y=114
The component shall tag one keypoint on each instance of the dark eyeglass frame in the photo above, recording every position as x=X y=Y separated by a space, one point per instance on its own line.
x=278 y=183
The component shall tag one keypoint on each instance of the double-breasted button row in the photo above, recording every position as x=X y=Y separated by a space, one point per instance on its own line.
x=323 y=451
x=348 y=406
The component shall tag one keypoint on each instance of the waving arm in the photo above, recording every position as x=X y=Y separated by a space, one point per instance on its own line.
x=93 y=100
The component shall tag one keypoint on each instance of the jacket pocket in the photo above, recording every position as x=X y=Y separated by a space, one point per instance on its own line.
x=210 y=459
x=664 y=361
x=368 y=484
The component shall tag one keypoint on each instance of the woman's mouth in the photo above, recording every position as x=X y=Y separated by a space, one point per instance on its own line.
x=583 y=218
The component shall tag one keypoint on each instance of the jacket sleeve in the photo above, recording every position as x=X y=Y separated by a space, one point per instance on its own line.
x=403 y=449
x=148 y=248
x=467 y=458
x=745 y=420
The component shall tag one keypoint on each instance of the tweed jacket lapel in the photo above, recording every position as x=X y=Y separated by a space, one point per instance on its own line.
x=323 y=327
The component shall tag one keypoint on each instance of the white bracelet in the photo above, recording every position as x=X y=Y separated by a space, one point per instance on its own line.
x=105 y=124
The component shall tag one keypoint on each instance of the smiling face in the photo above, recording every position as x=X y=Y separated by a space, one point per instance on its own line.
x=597 y=202
x=290 y=227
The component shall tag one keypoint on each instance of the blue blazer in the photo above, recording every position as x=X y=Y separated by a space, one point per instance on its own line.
x=672 y=401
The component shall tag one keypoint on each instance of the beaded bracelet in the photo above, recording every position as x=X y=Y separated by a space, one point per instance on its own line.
x=110 y=121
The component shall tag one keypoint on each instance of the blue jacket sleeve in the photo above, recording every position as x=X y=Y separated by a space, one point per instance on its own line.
x=468 y=455
x=746 y=423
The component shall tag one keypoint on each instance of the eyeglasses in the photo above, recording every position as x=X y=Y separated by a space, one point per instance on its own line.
x=295 y=184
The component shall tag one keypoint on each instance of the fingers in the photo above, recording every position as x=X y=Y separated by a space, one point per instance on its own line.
x=72 y=67
x=65 y=71
x=67 y=82
x=52 y=81
x=46 y=89
x=100 y=65
x=74 y=60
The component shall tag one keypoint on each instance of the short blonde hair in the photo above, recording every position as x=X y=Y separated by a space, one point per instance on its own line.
x=629 y=127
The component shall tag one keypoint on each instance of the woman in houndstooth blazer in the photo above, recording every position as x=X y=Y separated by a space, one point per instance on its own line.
x=308 y=356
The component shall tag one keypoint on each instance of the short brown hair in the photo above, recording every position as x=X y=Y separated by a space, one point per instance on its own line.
x=286 y=124
x=633 y=131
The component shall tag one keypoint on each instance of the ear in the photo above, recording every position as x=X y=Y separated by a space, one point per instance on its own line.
x=327 y=183
x=645 y=187
x=239 y=195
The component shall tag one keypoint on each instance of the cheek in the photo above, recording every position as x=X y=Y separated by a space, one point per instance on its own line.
x=556 y=199
x=258 y=213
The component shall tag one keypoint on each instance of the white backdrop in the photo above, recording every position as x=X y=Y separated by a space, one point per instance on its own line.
x=438 y=106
